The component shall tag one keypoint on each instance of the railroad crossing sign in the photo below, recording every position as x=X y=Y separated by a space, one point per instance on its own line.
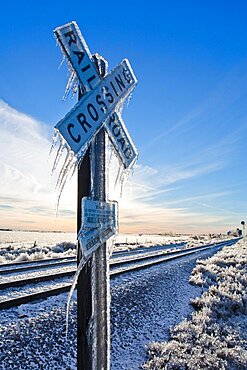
x=81 y=124
x=102 y=97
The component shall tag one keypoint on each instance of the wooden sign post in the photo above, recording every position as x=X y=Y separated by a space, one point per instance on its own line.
x=86 y=126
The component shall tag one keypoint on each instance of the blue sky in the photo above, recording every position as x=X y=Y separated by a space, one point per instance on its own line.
x=187 y=116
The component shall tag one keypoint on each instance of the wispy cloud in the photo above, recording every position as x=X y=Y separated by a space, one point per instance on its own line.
x=157 y=208
x=25 y=183
x=224 y=107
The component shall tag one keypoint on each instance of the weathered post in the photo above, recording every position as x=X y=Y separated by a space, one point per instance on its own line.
x=100 y=270
x=84 y=294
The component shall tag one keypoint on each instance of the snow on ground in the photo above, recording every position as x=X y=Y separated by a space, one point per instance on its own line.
x=143 y=305
x=215 y=337
x=32 y=336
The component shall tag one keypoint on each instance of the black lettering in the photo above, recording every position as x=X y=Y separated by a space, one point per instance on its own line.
x=76 y=140
x=127 y=76
x=91 y=79
x=80 y=55
x=92 y=112
x=107 y=94
x=122 y=142
x=83 y=121
x=84 y=69
x=72 y=37
x=112 y=119
x=116 y=133
x=120 y=83
x=114 y=88
x=102 y=103
x=128 y=153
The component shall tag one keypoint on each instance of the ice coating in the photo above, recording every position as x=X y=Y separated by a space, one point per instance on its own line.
x=100 y=67
x=64 y=164
x=72 y=84
x=82 y=263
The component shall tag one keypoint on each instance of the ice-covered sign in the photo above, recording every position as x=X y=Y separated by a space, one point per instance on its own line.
x=92 y=239
x=76 y=50
x=81 y=61
x=96 y=213
x=88 y=115
x=121 y=139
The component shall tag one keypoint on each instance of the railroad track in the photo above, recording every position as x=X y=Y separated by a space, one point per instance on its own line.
x=120 y=263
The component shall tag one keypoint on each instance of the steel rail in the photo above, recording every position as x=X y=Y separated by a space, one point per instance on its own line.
x=55 y=262
x=36 y=279
x=151 y=261
x=11 y=264
x=37 y=267
x=14 y=302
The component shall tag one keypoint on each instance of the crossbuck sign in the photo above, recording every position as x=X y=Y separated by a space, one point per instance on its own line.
x=102 y=97
x=101 y=100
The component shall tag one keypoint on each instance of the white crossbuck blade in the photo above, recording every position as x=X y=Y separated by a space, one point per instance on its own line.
x=95 y=108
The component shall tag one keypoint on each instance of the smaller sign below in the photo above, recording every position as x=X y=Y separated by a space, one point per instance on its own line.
x=92 y=239
x=96 y=214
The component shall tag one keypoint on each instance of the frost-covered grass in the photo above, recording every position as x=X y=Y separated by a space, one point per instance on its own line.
x=12 y=249
x=215 y=337
x=36 y=252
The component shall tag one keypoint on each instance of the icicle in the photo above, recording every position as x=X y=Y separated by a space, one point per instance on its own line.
x=109 y=156
x=110 y=244
x=129 y=99
x=123 y=181
x=130 y=175
x=119 y=176
x=62 y=61
x=73 y=82
x=73 y=168
x=64 y=169
x=92 y=169
x=82 y=263
x=54 y=141
x=59 y=154
x=70 y=84
x=75 y=87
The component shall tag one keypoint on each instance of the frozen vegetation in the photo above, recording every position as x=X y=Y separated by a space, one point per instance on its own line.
x=14 y=252
x=215 y=337
x=32 y=246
